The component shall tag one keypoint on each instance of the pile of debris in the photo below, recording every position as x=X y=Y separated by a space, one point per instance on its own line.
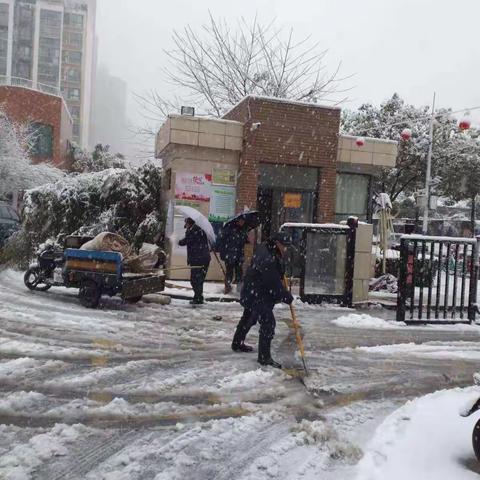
x=386 y=283
x=145 y=260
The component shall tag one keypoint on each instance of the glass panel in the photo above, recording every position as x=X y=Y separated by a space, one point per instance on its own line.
x=288 y=177
x=352 y=196
x=3 y=38
x=49 y=47
x=23 y=35
x=325 y=264
x=41 y=140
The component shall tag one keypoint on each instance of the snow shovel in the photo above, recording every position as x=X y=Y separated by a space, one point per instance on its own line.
x=228 y=288
x=296 y=328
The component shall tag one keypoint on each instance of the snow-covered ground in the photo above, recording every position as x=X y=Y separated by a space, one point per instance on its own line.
x=426 y=438
x=153 y=391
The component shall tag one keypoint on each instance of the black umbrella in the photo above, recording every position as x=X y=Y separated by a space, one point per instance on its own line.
x=251 y=217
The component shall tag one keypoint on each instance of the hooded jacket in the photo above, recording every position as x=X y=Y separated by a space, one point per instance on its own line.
x=263 y=285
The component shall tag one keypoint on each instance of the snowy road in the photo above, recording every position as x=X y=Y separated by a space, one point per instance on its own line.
x=154 y=392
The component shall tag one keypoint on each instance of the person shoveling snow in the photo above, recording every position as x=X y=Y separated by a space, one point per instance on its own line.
x=262 y=289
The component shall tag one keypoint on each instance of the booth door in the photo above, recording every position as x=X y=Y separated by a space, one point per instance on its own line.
x=277 y=206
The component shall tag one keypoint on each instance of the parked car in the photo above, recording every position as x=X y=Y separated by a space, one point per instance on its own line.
x=9 y=222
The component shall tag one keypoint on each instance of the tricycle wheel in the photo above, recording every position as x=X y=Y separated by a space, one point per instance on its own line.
x=133 y=299
x=33 y=280
x=476 y=439
x=89 y=294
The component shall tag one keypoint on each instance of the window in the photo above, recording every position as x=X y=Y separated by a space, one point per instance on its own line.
x=73 y=20
x=3 y=38
x=50 y=18
x=75 y=112
x=41 y=143
x=73 y=39
x=73 y=93
x=23 y=33
x=74 y=58
x=49 y=47
x=76 y=129
x=352 y=196
x=72 y=75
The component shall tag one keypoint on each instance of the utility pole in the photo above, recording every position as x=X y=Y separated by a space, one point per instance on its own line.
x=429 y=171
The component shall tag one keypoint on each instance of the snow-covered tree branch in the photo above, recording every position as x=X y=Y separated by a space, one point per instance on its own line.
x=16 y=169
x=388 y=121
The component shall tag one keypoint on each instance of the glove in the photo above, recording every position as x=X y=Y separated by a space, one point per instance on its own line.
x=288 y=298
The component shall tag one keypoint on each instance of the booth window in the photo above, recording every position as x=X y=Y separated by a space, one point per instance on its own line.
x=353 y=192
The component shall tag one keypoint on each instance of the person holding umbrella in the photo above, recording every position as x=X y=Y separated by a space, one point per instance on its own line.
x=263 y=287
x=230 y=245
x=198 y=257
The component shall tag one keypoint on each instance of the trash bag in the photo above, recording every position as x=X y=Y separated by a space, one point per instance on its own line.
x=148 y=256
x=109 y=242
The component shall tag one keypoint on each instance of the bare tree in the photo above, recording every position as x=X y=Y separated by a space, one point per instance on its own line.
x=218 y=66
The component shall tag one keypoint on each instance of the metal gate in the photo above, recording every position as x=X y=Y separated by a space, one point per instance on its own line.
x=437 y=279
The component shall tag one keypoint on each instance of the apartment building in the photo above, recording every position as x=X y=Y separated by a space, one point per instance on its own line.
x=50 y=46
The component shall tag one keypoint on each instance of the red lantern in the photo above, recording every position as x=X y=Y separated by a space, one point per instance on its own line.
x=360 y=142
x=406 y=134
x=464 y=123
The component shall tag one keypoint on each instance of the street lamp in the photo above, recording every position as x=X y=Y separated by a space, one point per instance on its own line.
x=463 y=125
x=429 y=170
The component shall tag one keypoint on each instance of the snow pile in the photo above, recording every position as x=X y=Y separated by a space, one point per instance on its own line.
x=20 y=462
x=426 y=438
x=462 y=350
x=21 y=367
x=364 y=321
x=326 y=437
x=20 y=402
x=250 y=379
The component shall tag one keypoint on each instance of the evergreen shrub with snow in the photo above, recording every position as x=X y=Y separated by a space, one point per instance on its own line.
x=100 y=159
x=123 y=201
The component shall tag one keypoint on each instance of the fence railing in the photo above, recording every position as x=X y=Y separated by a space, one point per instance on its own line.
x=27 y=83
x=437 y=279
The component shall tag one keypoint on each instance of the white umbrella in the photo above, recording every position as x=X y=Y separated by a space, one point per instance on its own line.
x=200 y=219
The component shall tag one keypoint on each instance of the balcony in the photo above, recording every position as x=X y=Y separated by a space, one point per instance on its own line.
x=8 y=81
x=27 y=83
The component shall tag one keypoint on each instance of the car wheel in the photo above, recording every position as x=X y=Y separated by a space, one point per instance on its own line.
x=476 y=439
x=33 y=280
x=89 y=294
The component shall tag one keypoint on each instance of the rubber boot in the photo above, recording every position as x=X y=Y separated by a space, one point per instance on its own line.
x=238 y=339
x=264 y=356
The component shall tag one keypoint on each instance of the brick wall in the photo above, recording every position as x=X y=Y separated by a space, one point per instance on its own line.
x=24 y=106
x=287 y=133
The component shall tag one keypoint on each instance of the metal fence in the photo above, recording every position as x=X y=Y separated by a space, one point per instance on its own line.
x=437 y=279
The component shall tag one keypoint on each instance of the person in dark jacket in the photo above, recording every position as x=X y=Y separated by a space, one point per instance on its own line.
x=230 y=245
x=263 y=287
x=198 y=255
